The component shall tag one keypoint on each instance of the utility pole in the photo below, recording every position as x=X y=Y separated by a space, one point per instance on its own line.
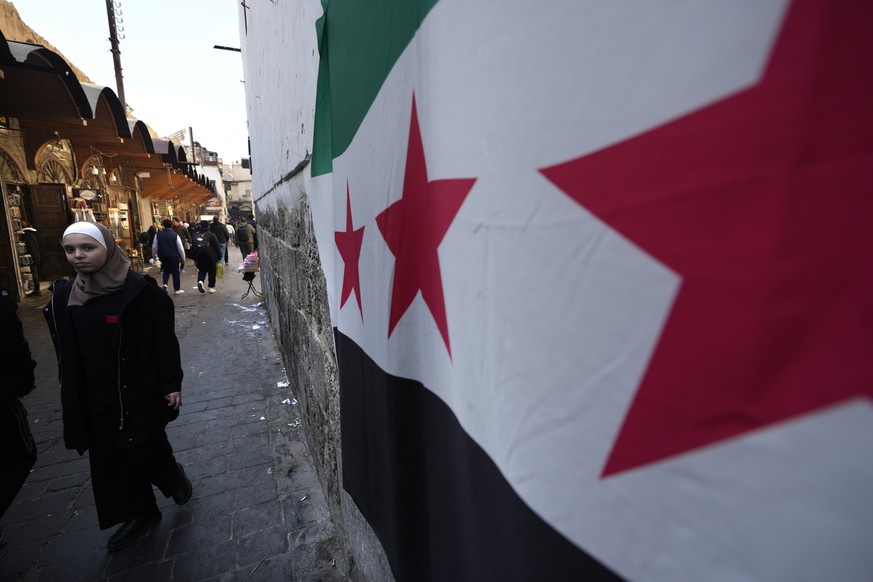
x=116 y=54
x=193 y=151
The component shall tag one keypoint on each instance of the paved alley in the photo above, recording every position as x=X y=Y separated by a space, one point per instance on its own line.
x=257 y=512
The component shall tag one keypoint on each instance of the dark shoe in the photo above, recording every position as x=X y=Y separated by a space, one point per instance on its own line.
x=131 y=530
x=182 y=492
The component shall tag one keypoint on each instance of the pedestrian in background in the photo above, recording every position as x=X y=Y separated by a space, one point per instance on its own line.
x=142 y=244
x=244 y=236
x=153 y=231
x=17 y=449
x=220 y=233
x=230 y=232
x=182 y=230
x=167 y=247
x=205 y=250
x=146 y=238
x=254 y=224
x=120 y=375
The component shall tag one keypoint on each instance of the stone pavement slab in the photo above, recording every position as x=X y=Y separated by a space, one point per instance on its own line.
x=257 y=512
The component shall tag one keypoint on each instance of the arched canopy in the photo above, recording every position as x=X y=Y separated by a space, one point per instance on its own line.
x=41 y=91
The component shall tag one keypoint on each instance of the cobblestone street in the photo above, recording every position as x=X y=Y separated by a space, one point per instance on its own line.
x=257 y=512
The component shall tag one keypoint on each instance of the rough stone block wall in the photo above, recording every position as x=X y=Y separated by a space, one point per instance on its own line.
x=280 y=63
x=295 y=294
x=294 y=291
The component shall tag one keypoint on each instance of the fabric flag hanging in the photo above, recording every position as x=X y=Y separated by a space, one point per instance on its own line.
x=601 y=278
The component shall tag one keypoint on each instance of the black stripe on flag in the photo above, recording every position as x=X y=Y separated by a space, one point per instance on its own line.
x=439 y=505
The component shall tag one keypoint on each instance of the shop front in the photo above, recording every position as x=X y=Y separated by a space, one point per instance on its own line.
x=69 y=152
x=33 y=217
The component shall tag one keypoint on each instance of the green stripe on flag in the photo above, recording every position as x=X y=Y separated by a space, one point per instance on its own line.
x=358 y=43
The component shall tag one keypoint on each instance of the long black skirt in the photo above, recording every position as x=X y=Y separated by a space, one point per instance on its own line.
x=122 y=479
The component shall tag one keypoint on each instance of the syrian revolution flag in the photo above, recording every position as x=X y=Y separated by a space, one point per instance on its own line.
x=601 y=275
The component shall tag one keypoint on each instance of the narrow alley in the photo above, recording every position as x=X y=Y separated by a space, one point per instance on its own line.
x=257 y=512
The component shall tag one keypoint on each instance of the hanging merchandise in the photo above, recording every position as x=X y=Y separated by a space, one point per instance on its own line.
x=22 y=257
x=81 y=211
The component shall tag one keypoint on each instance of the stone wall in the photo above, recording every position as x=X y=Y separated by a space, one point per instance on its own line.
x=280 y=61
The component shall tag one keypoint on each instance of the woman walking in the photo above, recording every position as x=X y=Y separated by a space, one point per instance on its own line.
x=121 y=380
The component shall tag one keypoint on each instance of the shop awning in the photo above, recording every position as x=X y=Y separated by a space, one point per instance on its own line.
x=40 y=89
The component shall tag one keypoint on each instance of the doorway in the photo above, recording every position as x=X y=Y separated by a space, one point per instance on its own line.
x=50 y=218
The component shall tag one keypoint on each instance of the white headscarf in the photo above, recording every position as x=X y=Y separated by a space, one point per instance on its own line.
x=89 y=228
x=107 y=279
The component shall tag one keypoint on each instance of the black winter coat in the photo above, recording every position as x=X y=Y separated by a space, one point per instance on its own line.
x=209 y=255
x=146 y=362
x=220 y=232
x=15 y=361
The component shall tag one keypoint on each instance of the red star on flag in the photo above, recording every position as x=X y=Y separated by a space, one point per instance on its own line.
x=348 y=243
x=763 y=205
x=414 y=227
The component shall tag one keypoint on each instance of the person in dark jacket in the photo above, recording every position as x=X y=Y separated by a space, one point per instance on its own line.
x=220 y=231
x=206 y=252
x=245 y=234
x=121 y=380
x=18 y=451
x=182 y=230
x=167 y=247
x=254 y=225
x=146 y=238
